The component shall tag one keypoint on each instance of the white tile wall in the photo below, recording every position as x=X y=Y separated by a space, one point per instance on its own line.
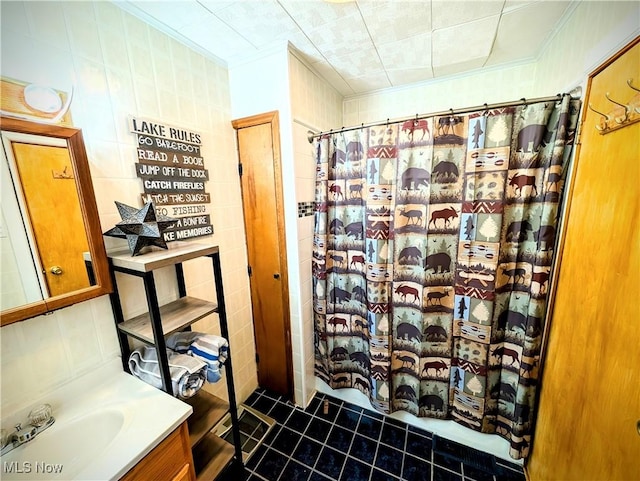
x=315 y=105
x=118 y=67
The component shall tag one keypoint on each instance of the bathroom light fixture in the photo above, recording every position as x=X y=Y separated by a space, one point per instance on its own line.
x=43 y=99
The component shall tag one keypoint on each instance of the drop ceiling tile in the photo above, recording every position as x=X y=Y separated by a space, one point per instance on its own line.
x=312 y=14
x=262 y=23
x=214 y=5
x=221 y=40
x=357 y=63
x=470 y=41
x=406 y=76
x=175 y=14
x=395 y=20
x=523 y=31
x=370 y=82
x=458 y=67
x=414 y=52
x=333 y=77
x=446 y=13
x=342 y=36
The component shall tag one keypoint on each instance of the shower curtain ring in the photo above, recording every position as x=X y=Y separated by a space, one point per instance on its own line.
x=486 y=110
x=524 y=102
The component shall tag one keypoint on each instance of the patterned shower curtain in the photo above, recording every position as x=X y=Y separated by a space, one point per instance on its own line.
x=433 y=245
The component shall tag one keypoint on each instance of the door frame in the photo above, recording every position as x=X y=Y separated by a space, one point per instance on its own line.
x=563 y=219
x=273 y=119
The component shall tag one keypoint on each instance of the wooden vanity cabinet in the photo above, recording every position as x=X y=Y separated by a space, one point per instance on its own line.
x=170 y=460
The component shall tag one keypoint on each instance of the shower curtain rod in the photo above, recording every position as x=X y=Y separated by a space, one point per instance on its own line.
x=485 y=107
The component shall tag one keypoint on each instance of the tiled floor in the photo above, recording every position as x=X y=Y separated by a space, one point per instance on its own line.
x=352 y=444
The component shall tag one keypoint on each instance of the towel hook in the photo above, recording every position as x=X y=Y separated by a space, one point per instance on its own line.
x=630 y=85
x=627 y=109
x=604 y=120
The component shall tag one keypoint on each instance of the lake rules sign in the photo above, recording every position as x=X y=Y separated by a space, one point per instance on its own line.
x=171 y=167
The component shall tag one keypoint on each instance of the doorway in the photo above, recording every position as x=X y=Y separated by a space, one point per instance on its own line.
x=262 y=200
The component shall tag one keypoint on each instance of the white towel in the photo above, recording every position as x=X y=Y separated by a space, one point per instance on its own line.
x=211 y=349
x=187 y=373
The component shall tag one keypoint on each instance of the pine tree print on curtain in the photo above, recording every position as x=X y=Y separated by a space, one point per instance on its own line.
x=433 y=245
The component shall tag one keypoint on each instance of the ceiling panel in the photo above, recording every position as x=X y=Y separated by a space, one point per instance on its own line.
x=364 y=45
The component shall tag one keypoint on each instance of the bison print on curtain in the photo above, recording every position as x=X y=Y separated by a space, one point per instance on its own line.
x=433 y=246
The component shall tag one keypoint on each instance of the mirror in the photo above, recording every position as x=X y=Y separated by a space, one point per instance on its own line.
x=50 y=225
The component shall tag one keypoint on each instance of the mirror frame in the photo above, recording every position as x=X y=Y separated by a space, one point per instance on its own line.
x=89 y=210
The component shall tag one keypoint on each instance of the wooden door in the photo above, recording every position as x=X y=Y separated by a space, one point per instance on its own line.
x=590 y=393
x=259 y=152
x=60 y=238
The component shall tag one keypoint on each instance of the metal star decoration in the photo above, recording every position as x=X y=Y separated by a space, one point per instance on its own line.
x=141 y=227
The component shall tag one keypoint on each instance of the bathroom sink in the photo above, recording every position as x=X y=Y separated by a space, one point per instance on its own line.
x=106 y=421
x=65 y=449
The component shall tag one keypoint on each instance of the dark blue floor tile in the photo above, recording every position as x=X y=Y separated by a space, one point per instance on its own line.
x=355 y=470
x=253 y=397
x=378 y=475
x=418 y=446
x=317 y=477
x=318 y=430
x=256 y=457
x=333 y=407
x=271 y=465
x=307 y=451
x=281 y=412
x=471 y=472
x=340 y=438
x=421 y=432
x=347 y=419
x=363 y=448
x=294 y=471
x=330 y=462
x=506 y=474
x=286 y=441
x=313 y=404
x=393 y=436
x=275 y=430
x=263 y=404
x=441 y=474
x=389 y=460
x=415 y=469
x=369 y=427
x=299 y=420
x=395 y=422
x=448 y=462
x=353 y=407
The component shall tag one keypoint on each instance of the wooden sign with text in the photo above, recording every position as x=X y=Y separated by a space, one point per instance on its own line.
x=173 y=175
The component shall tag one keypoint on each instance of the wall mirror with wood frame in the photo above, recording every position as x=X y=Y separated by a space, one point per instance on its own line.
x=49 y=226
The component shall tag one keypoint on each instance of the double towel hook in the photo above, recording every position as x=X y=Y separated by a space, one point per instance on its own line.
x=630 y=114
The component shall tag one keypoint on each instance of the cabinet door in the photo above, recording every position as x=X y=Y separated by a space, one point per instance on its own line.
x=168 y=460
x=590 y=394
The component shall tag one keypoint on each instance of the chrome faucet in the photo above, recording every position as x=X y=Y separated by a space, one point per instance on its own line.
x=40 y=419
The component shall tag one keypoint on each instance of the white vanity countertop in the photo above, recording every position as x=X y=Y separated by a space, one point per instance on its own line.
x=106 y=422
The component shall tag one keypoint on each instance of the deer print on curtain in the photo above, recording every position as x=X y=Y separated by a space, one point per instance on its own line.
x=433 y=245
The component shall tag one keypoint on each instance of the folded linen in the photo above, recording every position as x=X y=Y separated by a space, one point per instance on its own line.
x=187 y=373
x=211 y=349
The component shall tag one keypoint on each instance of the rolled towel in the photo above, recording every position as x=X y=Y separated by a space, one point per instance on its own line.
x=187 y=373
x=211 y=349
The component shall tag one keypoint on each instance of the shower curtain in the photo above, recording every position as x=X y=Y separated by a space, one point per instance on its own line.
x=433 y=245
